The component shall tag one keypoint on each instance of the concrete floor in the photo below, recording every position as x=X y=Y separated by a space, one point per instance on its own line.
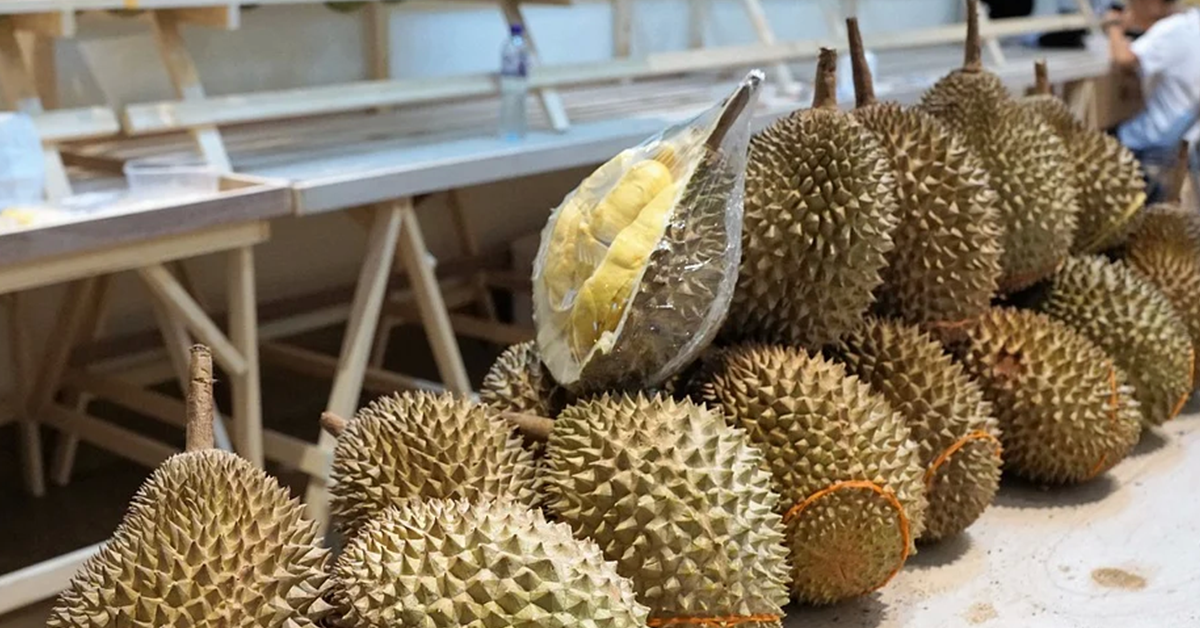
x=87 y=510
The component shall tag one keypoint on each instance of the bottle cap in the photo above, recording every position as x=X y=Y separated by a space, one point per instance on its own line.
x=516 y=29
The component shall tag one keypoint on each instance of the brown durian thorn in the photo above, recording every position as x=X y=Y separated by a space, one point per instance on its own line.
x=333 y=424
x=200 y=400
x=864 y=84
x=825 y=87
x=1178 y=175
x=532 y=427
x=973 y=58
x=1042 y=86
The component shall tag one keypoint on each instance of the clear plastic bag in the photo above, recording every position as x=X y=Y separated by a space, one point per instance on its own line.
x=638 y=264
x=22 y=171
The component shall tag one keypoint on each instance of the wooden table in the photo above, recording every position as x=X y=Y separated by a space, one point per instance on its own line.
x=84 y=254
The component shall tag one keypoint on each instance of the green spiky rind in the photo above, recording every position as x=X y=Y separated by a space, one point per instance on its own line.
x=1133 y=322
x=946 y=261
x=487 y=564
x=1106 y=175
x=818 y=426
x=678 y=499
x=941 y=406
x=820 y=208
x=519 y=382
x=1175 y=271
x=1053 y=391
x=421 y=444
x=1170 y=224
x=209 y=540
x=1027 y=165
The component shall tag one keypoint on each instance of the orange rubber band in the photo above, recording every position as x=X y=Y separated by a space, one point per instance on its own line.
x=795 y=511
x=952 y=324
x=953 y=449
x=1115 y=402
x=1191 y=379
x=723 y=622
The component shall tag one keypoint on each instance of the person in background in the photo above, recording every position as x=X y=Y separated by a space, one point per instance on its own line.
x=1167 y=59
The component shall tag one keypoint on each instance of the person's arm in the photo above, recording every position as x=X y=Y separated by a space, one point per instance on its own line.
x=1119 y=48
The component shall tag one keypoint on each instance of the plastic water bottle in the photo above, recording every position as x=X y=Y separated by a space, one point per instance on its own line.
x=514 y=84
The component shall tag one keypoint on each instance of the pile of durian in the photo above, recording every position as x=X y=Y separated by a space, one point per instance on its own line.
x=907 y=302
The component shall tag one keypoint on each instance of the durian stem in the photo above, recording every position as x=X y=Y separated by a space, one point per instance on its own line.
x=333 y=424
x=200 y=400
x=532 y=427
x=733 y=109
x=1042 y=75
x=825 y=87
x=864 y=84
x=1174 y=189
x=973 y=59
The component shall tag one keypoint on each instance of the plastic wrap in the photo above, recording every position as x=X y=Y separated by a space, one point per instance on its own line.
x=638 y=264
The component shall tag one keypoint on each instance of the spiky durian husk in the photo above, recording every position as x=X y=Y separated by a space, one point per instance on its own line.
x=1170 y=224
x=1175 y=271
x=685 y=284
x=424 y=445
x=487 y=564
x=209 y=540
x=820 y=209
x=679 y=500
x=1105 y=173
x=951 y=423
x=1027 y=165
x=1065 y=409
x=519 y=382
x=1132 y=321
x=946 y=261
x=827 y=439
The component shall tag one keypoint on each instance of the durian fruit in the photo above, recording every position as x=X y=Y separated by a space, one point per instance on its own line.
x=951 y=423
x=519 y=382
x=1066 y=411
x=422 y=445
x=209 y=540
x=1027 y=164
x=486 y=563
x=1126 y=316
x=820 y=210
x=850 y=477
x=679 y=500
x=943 y=271
x=636 y=267
x=1107 y=177
x=1171 y=224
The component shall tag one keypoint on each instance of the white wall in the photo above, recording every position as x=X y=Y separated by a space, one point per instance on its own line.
x=287 y=46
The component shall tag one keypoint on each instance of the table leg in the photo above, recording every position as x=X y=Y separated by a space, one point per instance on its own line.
x=243 y=332
x=31 y=435
x=356 y=344
x=67 y=444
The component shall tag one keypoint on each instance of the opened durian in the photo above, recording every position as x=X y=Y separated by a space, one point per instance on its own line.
x=422 y=445
x=850 y=477
x=519 y=382
x=942 y=272
x=679 y=500
x=951 y=423
x=1107 y=177
x=1132 y=321
x=1027 y=164
x=487 y=563
x=1066 y=411
x=208 y=541
x=820 y=209
x=636 y=267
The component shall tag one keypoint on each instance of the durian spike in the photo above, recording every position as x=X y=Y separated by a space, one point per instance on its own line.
x=1179 y=173
x=333 y=424
x=534 y=428
x=1042 y=86
x=864 y=84
x=200 y=400
x=825 y=86
x=973 y=53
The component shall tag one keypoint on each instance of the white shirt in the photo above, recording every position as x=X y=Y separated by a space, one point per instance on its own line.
x=1169 y=62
